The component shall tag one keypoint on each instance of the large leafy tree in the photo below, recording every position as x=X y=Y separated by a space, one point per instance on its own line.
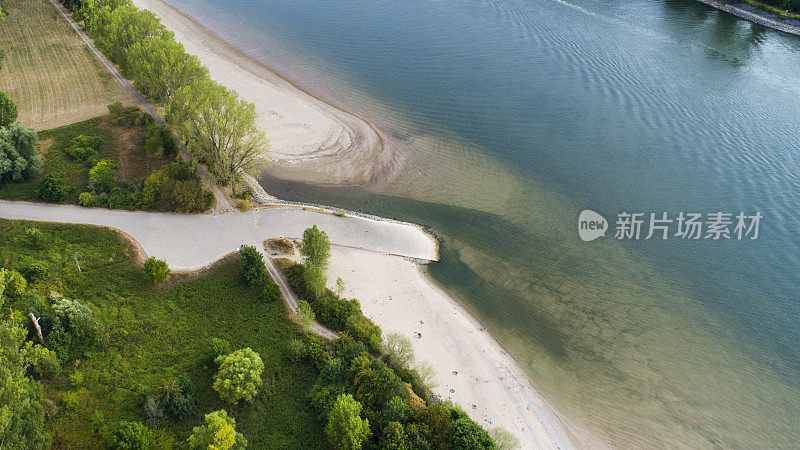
x=160 y=66
x=316 y=250
x=239 y=375
x=316 y=247
x=346 y=430
x=218 y=433
x=220 y=129
x=21 y=412
x=116 y=30
x=19 y=160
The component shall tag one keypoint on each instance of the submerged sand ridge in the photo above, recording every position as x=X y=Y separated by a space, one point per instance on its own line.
x=310 y=140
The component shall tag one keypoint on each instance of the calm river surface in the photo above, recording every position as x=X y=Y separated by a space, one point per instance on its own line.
x=515 y=116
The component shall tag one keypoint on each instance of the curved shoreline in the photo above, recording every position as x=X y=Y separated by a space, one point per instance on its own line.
x=311 y=139
x=756 y=16
x=501 y=393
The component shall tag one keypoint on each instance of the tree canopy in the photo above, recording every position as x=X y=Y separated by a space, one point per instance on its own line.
x=21 y=412
x=218 y=433
x=239 y=375
x=220 y=129
x=19 y=160
x=346 y=430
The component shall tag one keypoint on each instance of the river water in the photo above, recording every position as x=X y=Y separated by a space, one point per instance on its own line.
x=514 y=116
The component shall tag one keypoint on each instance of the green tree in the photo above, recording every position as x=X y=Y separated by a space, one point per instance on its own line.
x=316 y=247
x=220 y=129
x=116 y=30
x=396 y=410
x=155 y=270
x=131 y=436
x=399 y=349
x=19 y=160
x=253 y=271
x=305 y=315
x=21 y=412
x=218 y=433
x=103 y=176
x=8 y=110
x=239 y=375
x=346 y=430
x=12 y=284
x=314 y=279
x=53 y=188
x=394 y=437
x=468 y=435
x=162 y=66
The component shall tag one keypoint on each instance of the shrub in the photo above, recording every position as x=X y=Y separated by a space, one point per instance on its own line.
x=53 y=188
x=19 y=160
x=103 y=176
x=157 y=187
x=334 y=312
x=155 y=270
x=190 y=196
x=181 y=171
x=239 y=375
x=219 y=432
x=218 y=347
x=83 y=147
x=271 y=292
x=131 y=436
x=296 y=349
x=35 y=271
x=169 y=144
x=305 y=315
x=468 y=435
x=13 y=284
x=252 y=270
x=34 y=237
x=74 y=326
x=69 y=401
x=364 y=330
x=8 y=110
x=81 y=153
x=86 y=199
x=153 y=145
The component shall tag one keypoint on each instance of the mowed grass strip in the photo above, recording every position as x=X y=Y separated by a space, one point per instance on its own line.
x=48 y=71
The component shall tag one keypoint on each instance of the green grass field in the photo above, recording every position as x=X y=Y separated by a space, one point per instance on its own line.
x=153 y=334
x=48 y=71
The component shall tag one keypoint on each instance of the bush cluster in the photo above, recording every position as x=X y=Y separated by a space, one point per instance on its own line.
x=365 y=404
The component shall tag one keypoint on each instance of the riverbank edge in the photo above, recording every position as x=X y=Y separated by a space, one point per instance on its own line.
x=756 y=16
x=562 y=433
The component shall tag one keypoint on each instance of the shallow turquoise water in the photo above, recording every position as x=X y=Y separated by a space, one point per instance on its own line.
x=640 y=106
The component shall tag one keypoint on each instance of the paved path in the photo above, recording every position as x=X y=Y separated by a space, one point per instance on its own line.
x=188 y=242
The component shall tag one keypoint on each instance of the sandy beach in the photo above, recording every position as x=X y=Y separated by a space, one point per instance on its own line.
x=471 y=368
x=313 y=141
x=310 y=140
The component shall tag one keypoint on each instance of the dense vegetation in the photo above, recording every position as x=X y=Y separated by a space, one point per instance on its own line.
x=218 y=127
x=138 y=362
x=122 y=161
x=790 y=5
x=367 y=393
